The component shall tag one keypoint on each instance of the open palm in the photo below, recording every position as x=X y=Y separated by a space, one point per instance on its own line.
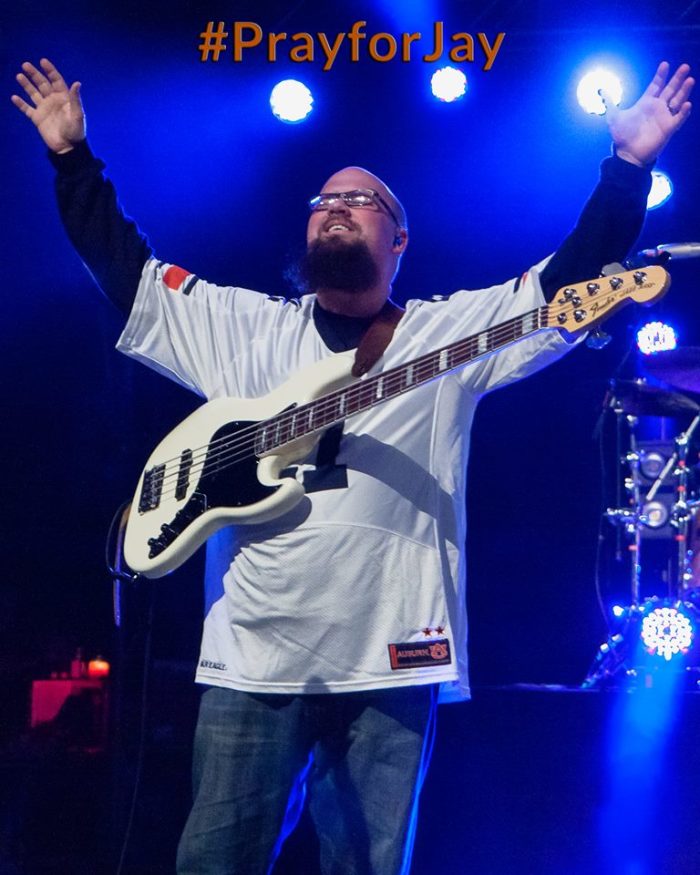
x=641 y=132
x=57 y=111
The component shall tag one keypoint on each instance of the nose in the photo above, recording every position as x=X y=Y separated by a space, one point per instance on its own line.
x=337 y=205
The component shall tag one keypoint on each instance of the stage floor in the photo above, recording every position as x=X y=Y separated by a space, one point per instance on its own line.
x=524 y=781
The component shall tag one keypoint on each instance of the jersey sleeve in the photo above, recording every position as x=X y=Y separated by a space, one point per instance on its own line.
x=110 y=244
x=468 y=313
x=608 y=226
x=526 y=356
x=191 y=330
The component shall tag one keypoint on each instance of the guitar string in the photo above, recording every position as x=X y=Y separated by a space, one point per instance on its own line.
x=228 y=455
x=231 y=451
x=228 y=452
x=498 y=335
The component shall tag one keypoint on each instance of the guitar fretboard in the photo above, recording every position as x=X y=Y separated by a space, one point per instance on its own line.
x=305 y=419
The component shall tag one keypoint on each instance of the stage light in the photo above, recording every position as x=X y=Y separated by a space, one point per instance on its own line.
x=589 y=86
x=448 y=84
x=666 y=631
x=291 y=101
x=656 y=337
x=661 y=190
x=655 y=515
x=618 y=611
x=652 y=463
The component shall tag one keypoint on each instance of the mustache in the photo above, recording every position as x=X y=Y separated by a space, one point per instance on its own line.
x=334 y=220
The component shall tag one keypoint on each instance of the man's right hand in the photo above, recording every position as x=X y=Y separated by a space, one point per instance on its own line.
x=57 y=111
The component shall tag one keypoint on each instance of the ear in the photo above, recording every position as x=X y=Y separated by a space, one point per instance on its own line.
x=400 y=241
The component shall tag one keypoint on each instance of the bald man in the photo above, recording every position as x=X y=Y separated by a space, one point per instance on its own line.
x=330 y=630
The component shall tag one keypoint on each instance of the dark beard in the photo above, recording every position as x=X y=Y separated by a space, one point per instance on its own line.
x=335 y=264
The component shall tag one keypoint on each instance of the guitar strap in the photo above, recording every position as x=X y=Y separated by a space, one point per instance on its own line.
x=376 y=339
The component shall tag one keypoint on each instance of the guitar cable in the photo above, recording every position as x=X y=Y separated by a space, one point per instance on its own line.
x=115 y=542
x=140 y=753
x=120 y=573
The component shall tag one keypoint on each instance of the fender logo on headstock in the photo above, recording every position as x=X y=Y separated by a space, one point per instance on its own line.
x=601 y=306
x=579 y=303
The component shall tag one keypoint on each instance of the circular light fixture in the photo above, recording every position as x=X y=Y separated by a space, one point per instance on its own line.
x=666 y=631
x=591 y=84
x=655 y=515
x=291 y=101
x=656 y=337
x=661 y=189
x=448 y=84
x=651 y=463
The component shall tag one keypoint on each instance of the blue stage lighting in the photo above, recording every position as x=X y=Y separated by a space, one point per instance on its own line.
x=666 y=631
x=291 y=101
x=661 y=189
x=656 y=337
x=448 y=84
x=618 y=611
x=589 y=86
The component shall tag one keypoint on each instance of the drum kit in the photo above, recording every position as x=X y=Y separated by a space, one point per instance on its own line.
x=658 y=517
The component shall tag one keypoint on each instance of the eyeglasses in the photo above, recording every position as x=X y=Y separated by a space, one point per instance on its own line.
x=360 y=197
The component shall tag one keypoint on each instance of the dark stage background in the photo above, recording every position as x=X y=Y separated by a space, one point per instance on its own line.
x=491 y=185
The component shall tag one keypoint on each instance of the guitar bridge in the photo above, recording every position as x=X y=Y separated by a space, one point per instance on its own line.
x=152 y=489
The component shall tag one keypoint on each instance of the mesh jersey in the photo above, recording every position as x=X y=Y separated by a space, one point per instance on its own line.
x=373 y=556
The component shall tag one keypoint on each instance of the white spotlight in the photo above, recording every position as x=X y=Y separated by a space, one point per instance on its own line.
x=661 y=189
x=448 y=84
x=656 y=337
x=291 y=101
x=587 y=91
x=667 y=631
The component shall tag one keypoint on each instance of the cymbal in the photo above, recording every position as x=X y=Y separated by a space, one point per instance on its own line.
x=639 y=399
x=679 y=368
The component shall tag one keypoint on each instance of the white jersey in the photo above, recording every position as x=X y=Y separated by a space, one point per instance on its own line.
x=362 y=585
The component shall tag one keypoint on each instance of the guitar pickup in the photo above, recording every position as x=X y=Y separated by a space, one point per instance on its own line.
x=152 y=488
x=183 y=475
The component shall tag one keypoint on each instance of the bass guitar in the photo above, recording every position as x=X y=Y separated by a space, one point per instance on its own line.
x=223 y=464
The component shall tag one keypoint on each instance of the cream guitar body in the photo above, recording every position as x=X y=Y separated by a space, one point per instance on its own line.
x=206 y=473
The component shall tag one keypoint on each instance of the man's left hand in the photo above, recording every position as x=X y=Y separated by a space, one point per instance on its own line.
x=641 y=132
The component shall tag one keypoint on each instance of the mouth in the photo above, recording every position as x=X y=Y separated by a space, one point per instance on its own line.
x=337 y=226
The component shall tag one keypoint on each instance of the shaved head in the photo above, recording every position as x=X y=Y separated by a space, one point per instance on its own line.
x=359 y=177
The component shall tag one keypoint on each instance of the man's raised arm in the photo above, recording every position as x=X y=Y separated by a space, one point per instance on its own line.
x=109 y=243
x=612 y=218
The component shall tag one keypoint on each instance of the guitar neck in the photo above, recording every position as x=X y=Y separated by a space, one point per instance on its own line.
x=305 y=419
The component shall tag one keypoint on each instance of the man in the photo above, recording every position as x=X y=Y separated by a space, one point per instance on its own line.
x=329 y=629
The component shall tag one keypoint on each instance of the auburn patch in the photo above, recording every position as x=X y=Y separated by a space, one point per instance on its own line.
x=419 y=654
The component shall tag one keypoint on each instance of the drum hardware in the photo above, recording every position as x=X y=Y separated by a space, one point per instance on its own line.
x=679 y=367
x=638 y=398
x=646 y=513
x=598 y=339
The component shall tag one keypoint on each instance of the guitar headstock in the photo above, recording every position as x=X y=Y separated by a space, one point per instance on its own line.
x=582 y=306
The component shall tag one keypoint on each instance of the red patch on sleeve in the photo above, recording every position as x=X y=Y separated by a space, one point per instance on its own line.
x=174 y=277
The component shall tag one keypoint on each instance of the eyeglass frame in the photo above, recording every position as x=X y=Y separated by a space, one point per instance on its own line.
x=333 y=195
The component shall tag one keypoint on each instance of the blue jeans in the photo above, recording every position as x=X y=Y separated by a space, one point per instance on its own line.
x=361 y=757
